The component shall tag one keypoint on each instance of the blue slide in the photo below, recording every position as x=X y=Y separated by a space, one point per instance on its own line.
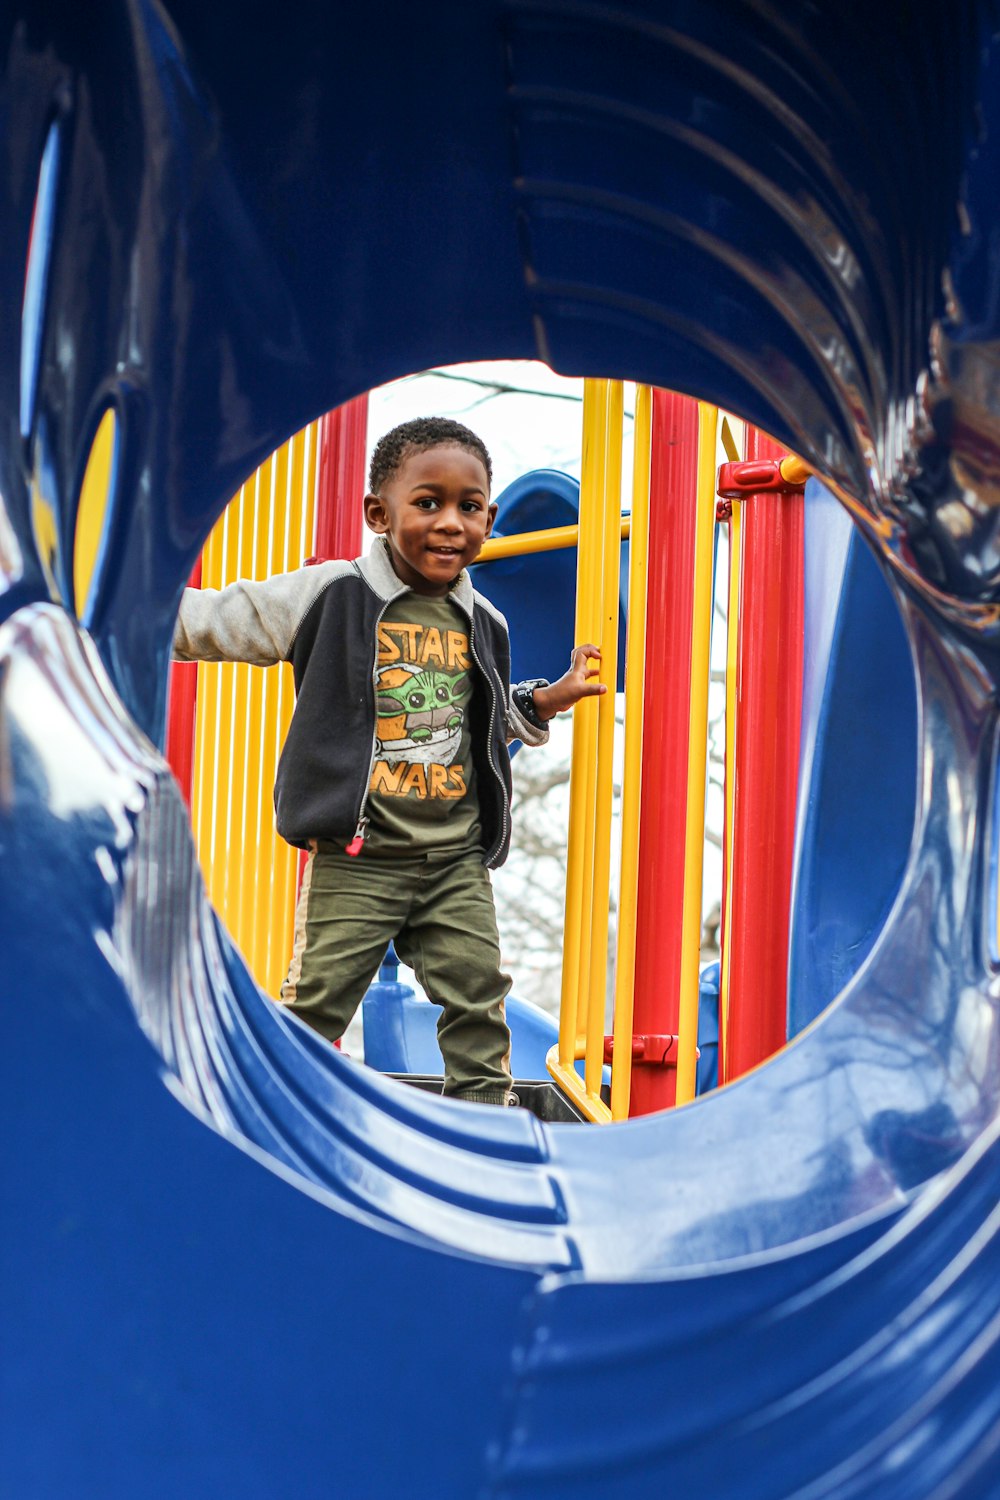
x=233 y=1262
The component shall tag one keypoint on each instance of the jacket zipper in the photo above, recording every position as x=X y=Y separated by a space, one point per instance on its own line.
x=504 y=806
x=357 y=843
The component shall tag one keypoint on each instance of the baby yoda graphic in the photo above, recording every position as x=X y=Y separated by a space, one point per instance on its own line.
x=420 y=714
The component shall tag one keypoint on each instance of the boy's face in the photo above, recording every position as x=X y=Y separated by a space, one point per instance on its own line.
x=436 y=513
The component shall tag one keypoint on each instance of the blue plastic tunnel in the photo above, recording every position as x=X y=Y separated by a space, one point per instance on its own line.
x=233 y=1263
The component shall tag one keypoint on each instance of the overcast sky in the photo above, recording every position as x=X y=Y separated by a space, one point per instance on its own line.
x=540 y=429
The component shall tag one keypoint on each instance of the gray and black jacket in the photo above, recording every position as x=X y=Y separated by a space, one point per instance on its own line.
x=324 y=620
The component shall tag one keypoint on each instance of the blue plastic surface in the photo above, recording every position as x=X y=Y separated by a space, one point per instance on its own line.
x=537 y=592
x=400 y=1030
x=856 y=810
x=232 y=1262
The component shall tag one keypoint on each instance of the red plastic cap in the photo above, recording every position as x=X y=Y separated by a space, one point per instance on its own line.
x=755 y=476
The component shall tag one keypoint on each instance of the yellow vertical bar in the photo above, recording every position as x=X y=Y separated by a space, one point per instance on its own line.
x=687 y=1045
x=635 y=661
x=298 y=543
x=218 y=789
x=288 y=548
x=591 y=631
x=607 y=640
x=207 y=712
x=579 y=856
x=233 y=852
x=216 y=868
x=273 y=854
x=256 y=874
x=732 y=657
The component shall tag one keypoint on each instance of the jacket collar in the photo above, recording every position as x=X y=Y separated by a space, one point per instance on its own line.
x=377 y=571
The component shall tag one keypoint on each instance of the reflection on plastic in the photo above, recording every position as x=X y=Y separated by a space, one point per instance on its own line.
x=36 y=277
x=96 y=494
x=11 y=561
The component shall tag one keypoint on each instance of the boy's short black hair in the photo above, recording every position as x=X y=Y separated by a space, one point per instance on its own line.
x=413 y=437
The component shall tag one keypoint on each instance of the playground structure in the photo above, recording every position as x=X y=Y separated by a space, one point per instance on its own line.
x=224 y=735
x=789 y=1288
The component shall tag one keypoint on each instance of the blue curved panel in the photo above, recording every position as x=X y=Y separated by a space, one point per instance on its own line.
x=537 y=593
x=277 y=1272
x=401 y=1031
x=857 y=790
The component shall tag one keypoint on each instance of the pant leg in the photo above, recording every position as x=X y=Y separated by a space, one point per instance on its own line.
x=348 y=912
x=450 y=940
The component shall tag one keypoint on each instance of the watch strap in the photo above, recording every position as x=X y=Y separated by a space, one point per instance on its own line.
x=522 y=694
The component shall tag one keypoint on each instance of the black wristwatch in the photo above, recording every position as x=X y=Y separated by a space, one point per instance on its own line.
x=523 y=696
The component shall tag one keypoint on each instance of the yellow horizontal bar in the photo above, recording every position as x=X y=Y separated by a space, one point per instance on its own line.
x=527 y=542
x=571 y=1083
x=794 y=470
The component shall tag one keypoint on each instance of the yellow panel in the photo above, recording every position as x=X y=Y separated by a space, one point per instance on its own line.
x=243 y=715
x=92 y=511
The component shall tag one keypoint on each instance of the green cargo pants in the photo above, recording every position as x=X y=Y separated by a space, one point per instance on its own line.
x=438 y=910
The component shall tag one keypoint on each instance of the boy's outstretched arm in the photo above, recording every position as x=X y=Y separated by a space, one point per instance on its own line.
x=250 y=621
x=579 y=682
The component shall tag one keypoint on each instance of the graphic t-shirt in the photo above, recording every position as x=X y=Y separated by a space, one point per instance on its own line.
x=422 y=792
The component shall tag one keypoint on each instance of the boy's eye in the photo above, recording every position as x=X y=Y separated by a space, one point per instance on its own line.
x=471 y=505
x=427 y=502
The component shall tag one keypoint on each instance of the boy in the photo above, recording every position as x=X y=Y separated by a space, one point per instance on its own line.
x=395 y=774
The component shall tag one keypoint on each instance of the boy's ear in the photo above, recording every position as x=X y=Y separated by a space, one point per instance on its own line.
x=376 y=515
x=492 y=515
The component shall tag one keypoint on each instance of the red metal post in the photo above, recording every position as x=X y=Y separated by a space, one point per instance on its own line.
x=769 y=702
x=666 y=715
x=340 y=486
x=181 y=701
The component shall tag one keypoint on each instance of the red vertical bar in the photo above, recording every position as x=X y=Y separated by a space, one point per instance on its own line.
x=181 y=704
x=340 y=487
x=666 y=717
x=769 y=706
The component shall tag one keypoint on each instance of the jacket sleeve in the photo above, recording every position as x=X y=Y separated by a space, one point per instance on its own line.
x=248 y=621
x=520 y=728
